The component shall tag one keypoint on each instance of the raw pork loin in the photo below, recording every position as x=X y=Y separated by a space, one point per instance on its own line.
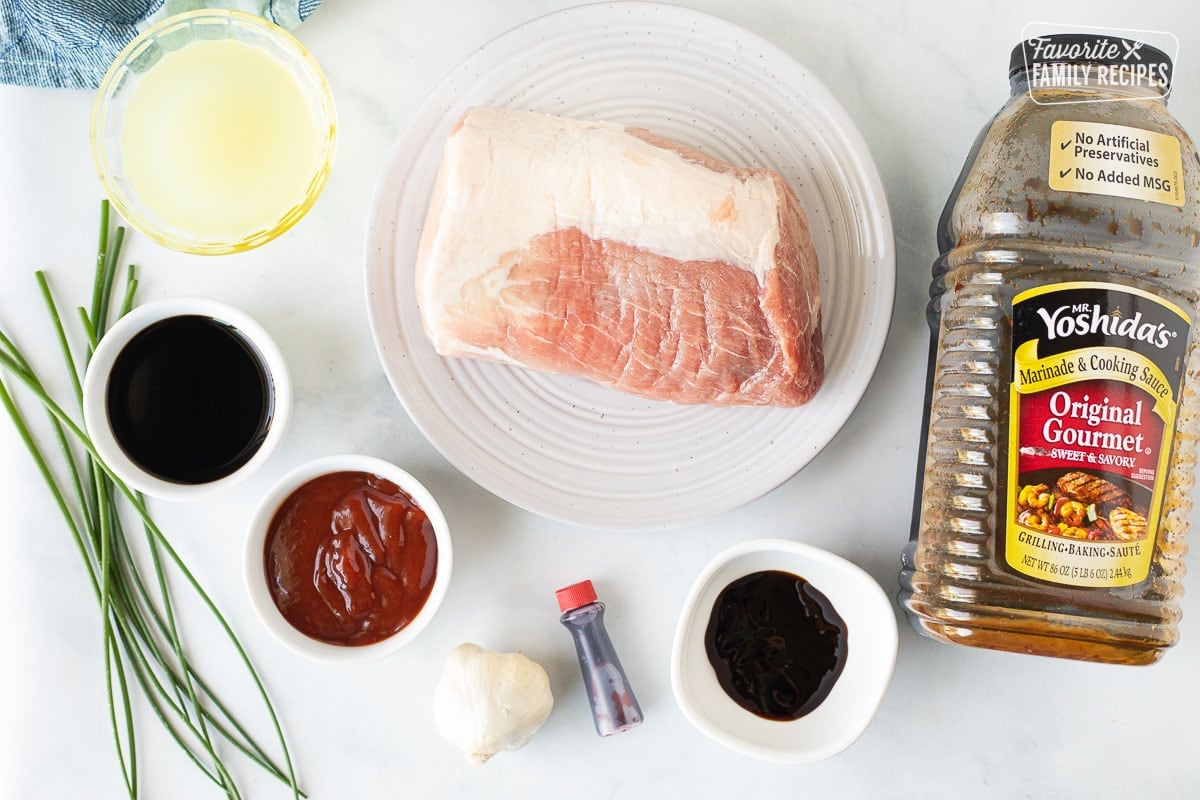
x=593 y=249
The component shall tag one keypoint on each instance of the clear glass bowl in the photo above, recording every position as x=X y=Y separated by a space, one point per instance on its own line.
x=137 y=61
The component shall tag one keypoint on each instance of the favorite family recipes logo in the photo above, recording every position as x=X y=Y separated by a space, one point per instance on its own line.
x=1104 y=58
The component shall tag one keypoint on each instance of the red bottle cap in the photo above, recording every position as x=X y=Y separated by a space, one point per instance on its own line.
x=575 y=595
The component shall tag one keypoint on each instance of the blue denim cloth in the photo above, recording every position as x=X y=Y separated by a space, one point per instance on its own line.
x=70 y=43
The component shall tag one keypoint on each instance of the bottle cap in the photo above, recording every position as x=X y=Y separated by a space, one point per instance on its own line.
x=575 y=595
x=1087 y=48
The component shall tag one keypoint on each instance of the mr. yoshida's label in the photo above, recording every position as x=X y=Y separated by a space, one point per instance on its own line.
x=1095 y=380
x=1116 y=160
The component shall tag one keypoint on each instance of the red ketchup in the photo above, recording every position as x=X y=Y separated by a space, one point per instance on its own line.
x=614 y=708
x=350 y=558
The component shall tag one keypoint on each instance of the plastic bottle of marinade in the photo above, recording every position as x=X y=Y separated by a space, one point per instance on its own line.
x=1053 y=498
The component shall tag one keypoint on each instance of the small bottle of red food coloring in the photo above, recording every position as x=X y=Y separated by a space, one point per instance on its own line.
x=614 y=708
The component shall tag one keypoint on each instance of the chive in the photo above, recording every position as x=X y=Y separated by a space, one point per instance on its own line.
x=128 y=768
x=40 y=461
x=143 y=646
x=101 y=319
x=101 y=258
x=130 y=288
x=59 y=332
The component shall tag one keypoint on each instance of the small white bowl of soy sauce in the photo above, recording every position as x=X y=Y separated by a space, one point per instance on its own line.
x=185 y=397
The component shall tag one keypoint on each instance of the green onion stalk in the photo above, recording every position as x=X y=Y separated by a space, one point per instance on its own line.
x=143 y=651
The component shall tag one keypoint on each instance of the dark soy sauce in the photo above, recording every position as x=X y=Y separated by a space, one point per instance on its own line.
x=190 y=399
x=776 y=644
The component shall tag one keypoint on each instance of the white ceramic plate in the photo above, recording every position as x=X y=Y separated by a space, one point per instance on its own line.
x=570 y=449
x=843 y=716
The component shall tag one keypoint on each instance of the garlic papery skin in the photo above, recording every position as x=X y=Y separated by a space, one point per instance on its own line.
x=486 y=702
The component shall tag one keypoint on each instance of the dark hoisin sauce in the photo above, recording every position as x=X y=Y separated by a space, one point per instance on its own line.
x=776 y=643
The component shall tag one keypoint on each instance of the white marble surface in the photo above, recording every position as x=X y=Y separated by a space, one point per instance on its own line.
x=919 y=79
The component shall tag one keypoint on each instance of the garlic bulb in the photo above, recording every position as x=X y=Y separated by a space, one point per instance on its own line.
x=486 y=702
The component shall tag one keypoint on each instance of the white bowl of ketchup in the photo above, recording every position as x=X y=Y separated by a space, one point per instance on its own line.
x=347 y=559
